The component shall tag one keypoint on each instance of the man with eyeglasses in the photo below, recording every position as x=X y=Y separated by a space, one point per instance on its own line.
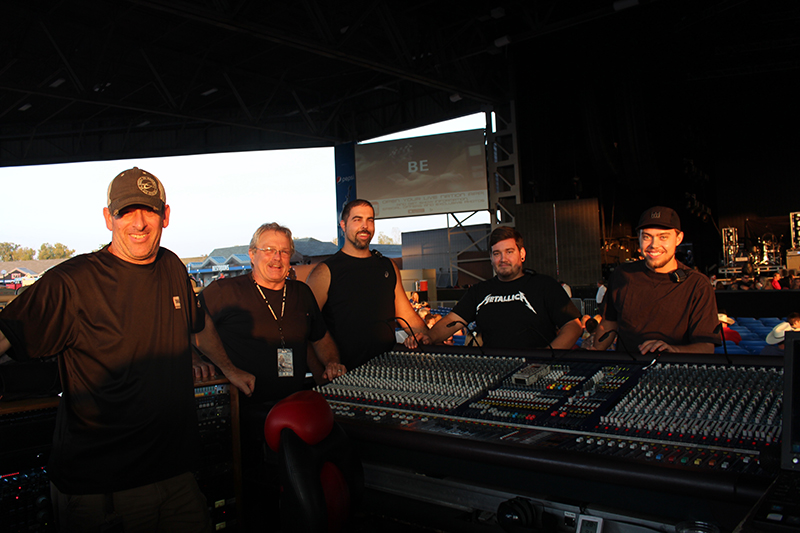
x=267 y=321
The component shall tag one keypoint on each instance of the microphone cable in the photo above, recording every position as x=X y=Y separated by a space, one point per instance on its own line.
x=474 y=334
x=721 y=330
x=605 y=335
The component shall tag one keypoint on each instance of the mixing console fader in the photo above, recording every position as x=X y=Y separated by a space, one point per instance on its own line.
x=724 y=406
x=430 y=383
x=708 y=416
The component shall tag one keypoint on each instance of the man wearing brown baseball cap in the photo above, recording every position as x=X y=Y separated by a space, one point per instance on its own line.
x=122 y=321
x=658 y=304
x=137 y=212
x=136 y=187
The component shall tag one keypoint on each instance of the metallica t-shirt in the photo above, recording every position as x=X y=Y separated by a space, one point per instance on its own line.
x=521 y=314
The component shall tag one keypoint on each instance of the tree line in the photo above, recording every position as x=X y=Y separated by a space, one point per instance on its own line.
x=10 y=251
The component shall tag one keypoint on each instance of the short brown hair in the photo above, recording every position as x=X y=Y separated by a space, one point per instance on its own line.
x=350 y=205
x=505 y=232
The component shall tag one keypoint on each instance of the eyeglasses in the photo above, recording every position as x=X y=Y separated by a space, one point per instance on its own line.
x=270 y=252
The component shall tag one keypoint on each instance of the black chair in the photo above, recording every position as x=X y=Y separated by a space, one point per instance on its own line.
x=321 y=476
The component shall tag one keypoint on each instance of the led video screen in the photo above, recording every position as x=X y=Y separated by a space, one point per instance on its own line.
x=424 y=175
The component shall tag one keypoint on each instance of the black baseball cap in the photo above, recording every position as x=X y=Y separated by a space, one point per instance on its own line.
x=659 y=217
x=135 y=187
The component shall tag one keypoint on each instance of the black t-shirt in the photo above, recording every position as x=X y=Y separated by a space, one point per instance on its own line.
x=360 y=307
x=521 y=314
x=127 y=415
x=251 y=336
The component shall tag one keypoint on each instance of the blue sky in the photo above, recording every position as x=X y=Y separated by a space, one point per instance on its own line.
x=216 y=200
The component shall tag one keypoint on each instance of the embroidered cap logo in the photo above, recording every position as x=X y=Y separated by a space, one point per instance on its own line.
x=147 y=185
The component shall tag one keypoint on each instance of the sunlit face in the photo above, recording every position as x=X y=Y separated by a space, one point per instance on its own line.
x=359 y=227
x=658 y=246
x=271 y=259
x=136 y=233
x=507 y=260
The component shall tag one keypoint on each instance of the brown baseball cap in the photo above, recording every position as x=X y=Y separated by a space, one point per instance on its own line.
x=659 y=217
x=135 y=187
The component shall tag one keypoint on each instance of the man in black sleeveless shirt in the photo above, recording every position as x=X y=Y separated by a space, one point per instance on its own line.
x=360 y=293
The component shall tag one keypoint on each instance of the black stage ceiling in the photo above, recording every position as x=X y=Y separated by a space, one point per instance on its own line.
x=98 y=79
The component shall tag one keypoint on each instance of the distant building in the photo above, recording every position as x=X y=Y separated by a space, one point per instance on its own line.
x=313 y=251
x=221 y=262
x=17 y=271
x=460 y=255
x=235 y=260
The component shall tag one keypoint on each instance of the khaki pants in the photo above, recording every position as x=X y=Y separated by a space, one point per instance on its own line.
x=173 y=505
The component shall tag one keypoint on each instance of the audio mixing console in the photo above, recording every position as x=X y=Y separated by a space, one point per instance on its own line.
x=692 y=425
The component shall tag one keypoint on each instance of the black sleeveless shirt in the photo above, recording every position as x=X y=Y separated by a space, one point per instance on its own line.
x=360 y=308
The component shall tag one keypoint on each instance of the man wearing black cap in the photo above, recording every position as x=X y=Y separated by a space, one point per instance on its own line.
x=121 y=321
x=658 y=304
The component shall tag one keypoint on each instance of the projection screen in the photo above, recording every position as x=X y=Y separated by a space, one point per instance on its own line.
x=424 y=175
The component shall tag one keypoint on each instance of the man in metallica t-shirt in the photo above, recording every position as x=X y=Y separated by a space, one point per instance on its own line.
x=516 y=309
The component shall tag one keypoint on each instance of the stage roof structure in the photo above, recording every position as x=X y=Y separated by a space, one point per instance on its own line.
x=84 y=80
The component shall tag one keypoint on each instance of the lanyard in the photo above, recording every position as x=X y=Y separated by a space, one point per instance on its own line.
x=283 y=306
